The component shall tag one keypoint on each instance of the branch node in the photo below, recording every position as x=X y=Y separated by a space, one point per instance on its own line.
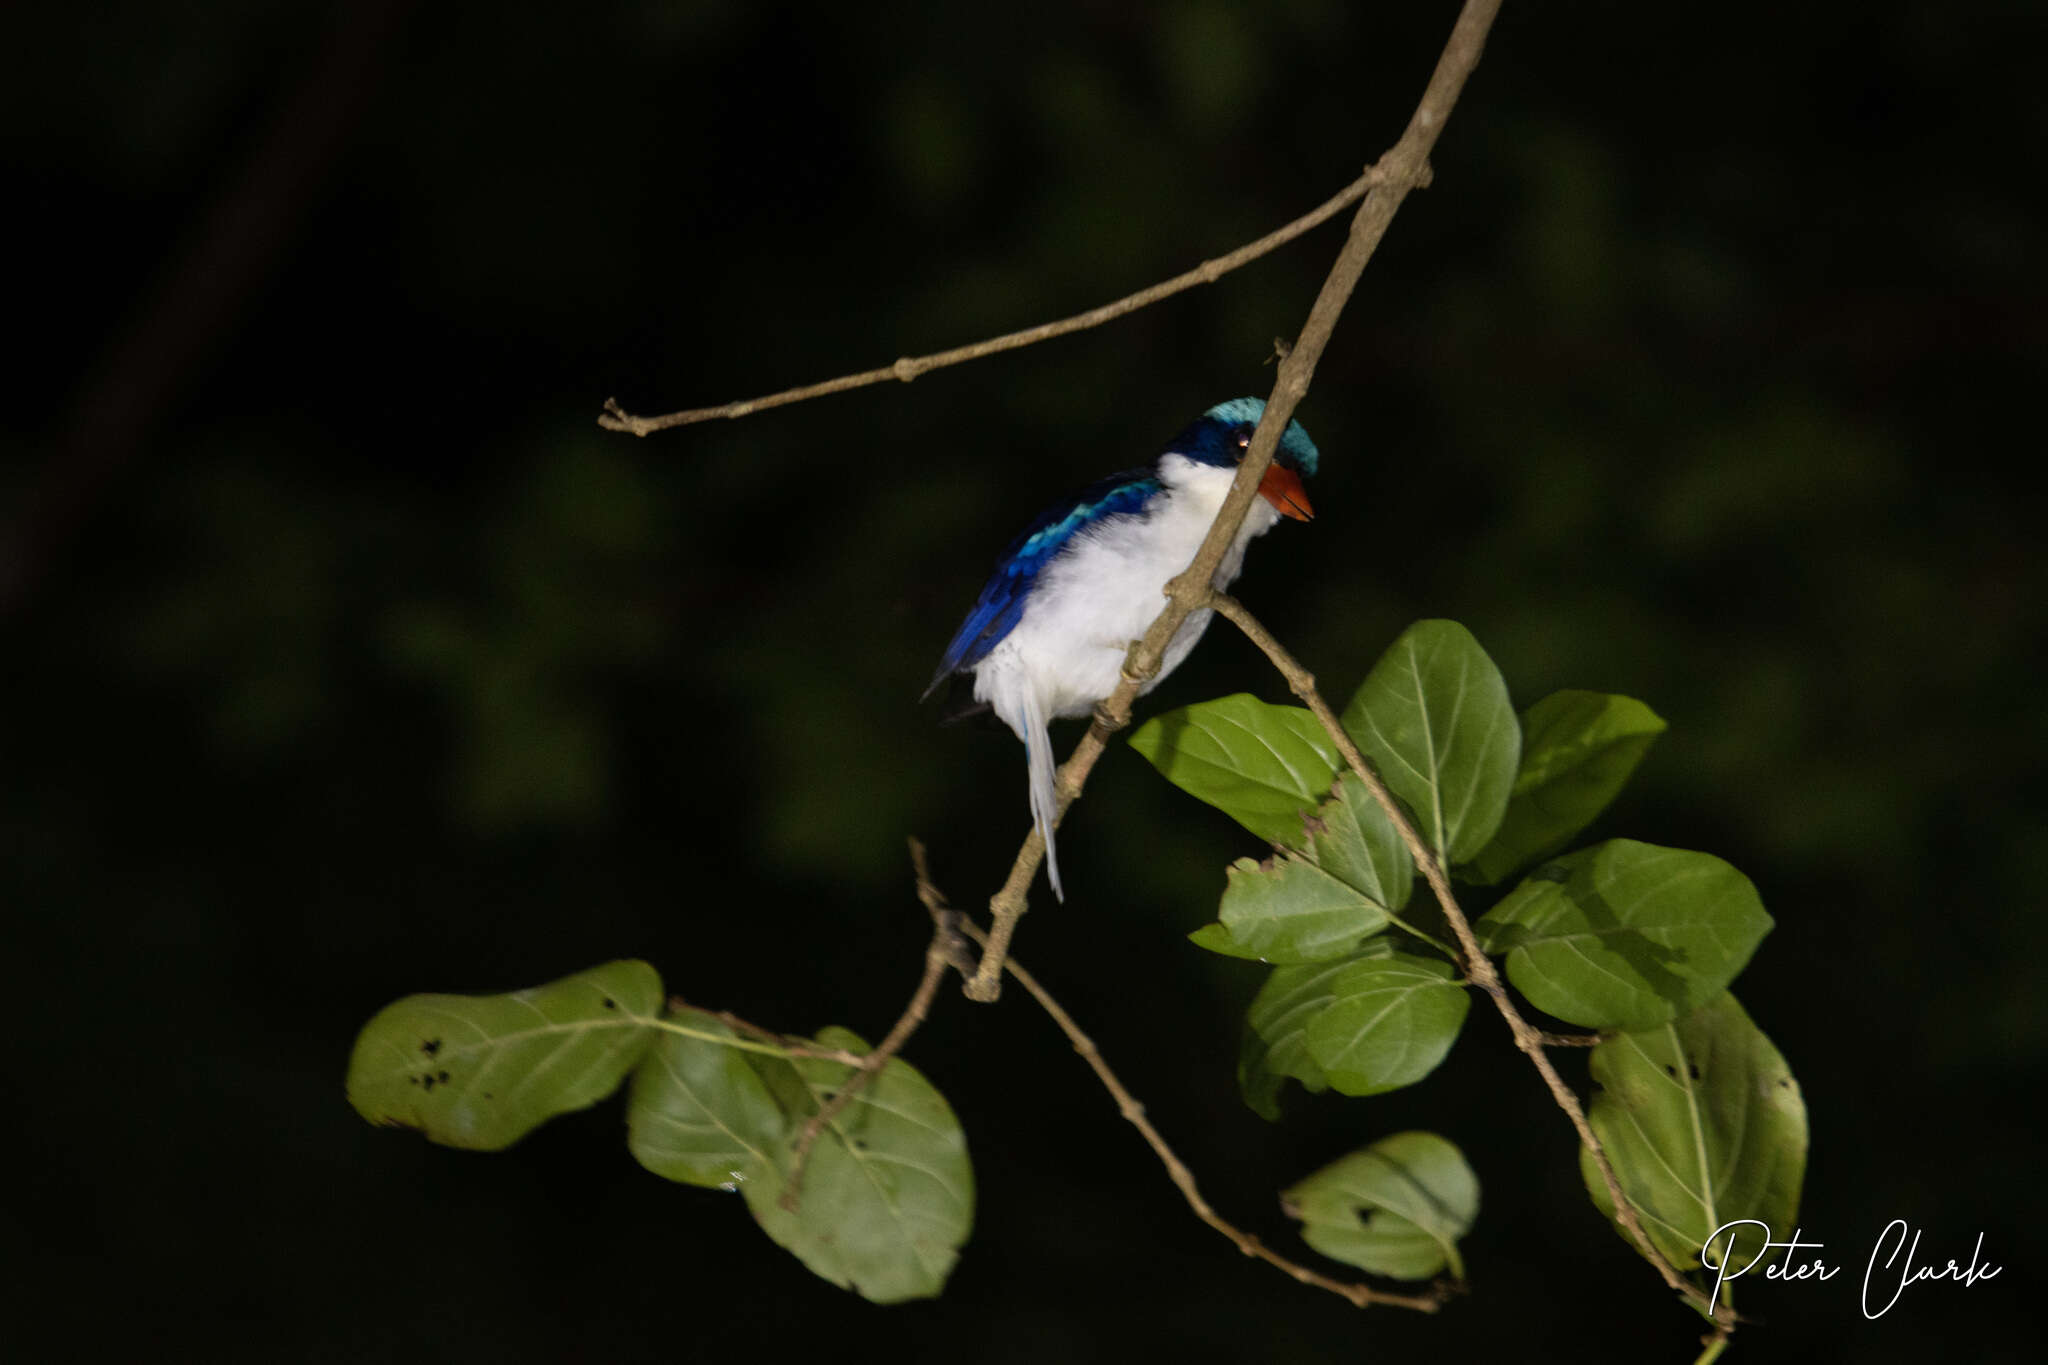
x=616 y=418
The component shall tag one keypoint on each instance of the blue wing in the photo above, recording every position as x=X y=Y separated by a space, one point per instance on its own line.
x=1002 y=599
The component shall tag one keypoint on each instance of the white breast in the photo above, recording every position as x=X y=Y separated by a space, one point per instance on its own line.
x=1106 y=588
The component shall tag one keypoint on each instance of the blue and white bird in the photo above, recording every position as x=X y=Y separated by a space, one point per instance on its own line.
x=1048 y=634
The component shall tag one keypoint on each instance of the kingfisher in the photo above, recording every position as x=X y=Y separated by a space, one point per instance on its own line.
x=1047 y=637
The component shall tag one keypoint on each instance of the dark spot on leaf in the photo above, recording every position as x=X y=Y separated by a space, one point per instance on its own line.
x=489 y=1096
x=1694 y=1068
x=431 y=1046
x=1671 y=1071
x=427 y=1081
x=610 y=1004
x=443 y=1078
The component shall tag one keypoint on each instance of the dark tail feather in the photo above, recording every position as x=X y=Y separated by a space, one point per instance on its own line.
x=962 y=707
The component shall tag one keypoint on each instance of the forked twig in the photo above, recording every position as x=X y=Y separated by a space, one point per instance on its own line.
x=944 y=950
x=1359 y=1295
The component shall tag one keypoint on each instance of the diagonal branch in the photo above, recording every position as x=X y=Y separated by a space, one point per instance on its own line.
x=1403 y=168
x=616 y=418
x=1479 y=967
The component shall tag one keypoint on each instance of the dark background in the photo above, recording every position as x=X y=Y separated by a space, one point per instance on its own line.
x=346 y=657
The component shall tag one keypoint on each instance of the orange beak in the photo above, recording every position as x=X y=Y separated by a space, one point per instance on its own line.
x=1282 y=487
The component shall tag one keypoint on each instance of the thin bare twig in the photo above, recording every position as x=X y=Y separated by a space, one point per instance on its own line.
x=1478 y=966
x=1403 y=168
x=1571 y=1039
x=616 y=418
x=1359 y=1295
x=943 y=951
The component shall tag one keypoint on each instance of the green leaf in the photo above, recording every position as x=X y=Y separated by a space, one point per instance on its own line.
x=1395 y=1208
x=699 y=1113
x=1388 y=1023
x=1433 y=716
x=1352 y=839
x=1275 y=1046
x=1578 y=750
x=888 y=1194
x=1264 y=766
x=1316 y=904
x=1288 y=910
x=1217 y=939
x=1626 y=935
x=1705 y=1126
x=483 y=1071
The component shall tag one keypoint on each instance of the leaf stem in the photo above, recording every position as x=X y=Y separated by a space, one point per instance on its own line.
x=784 y=1050
x=1431 y=939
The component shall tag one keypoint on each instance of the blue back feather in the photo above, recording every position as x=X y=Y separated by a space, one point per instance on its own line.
x=1002 y=598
